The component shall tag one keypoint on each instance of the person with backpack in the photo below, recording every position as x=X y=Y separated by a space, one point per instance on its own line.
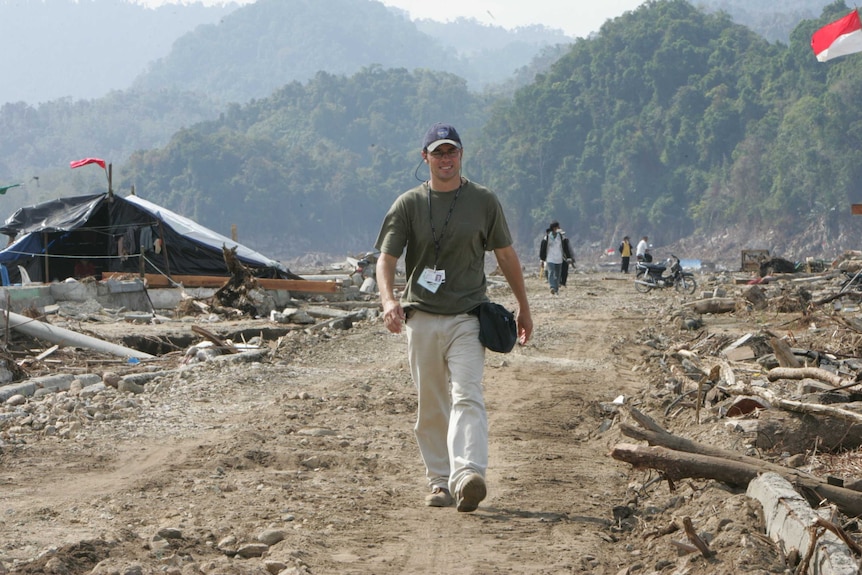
x=554 y=250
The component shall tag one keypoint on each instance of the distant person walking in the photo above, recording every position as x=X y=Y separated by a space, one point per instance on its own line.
x=553 y=251
x=542 y=254
x=625 y=250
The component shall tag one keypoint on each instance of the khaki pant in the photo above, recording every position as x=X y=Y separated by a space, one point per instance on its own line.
x=447 y=363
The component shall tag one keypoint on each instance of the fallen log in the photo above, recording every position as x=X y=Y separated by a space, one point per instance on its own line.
x=646 y=421
x=798 y=406
x=830 y=298
x=676 y=465
x=823 y=375
x=684 y=445
x=655 y=434
x=713 y=305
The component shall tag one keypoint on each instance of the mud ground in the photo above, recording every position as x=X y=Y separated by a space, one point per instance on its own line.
x=302 y=460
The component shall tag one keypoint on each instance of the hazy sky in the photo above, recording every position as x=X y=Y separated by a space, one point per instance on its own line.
x=575 y=17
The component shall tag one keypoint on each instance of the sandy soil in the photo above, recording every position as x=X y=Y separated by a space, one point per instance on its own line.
x=303 y=461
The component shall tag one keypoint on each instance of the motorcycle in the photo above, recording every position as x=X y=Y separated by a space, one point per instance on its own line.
x=651 y=276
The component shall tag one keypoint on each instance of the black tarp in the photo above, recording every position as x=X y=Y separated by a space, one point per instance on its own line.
x=117 y=235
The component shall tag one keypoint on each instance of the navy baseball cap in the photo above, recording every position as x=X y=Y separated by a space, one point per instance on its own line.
x=439 y=134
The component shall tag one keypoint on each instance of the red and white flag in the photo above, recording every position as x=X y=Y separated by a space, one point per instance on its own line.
x=839 y=38
x=86 y=161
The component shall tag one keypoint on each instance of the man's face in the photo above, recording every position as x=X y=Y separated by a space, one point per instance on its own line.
x=445 y=161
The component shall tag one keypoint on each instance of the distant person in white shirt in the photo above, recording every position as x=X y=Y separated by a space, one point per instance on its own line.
x=554 y=251
x=641 y=250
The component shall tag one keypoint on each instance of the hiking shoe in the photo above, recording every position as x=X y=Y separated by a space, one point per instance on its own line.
x=473 y=491
x=439 y=497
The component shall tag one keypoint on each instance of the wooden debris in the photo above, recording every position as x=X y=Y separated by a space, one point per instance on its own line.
x=678 y=457
x=219 y=342
x=799 y=406
x=683 y=546
x=654 y=434
x=713 y=305
x=695 y=538
x=47 y=352
x=783 y=353
x=803 y=372
x=676 y=465
x=302 y=286
x=757 y=297
x=235 y=292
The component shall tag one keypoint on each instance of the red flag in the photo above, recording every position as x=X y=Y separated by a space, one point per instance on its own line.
x=86 y=161
x=839 y=38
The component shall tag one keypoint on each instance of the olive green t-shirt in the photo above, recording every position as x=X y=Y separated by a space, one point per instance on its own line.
x=465 y=230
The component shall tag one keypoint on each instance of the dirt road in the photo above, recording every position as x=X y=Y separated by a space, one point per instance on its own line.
x=304 y=462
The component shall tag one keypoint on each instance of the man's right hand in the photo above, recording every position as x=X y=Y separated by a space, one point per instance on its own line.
x=393 y=315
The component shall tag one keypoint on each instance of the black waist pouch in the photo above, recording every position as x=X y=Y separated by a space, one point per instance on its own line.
x=498 y=330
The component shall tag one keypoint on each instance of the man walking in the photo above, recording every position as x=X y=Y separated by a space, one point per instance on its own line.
x=555 y=250
x=446 y=225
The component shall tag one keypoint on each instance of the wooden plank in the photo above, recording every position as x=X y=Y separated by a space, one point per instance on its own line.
x=856 y=209
x=300 y=285
x=160 y=281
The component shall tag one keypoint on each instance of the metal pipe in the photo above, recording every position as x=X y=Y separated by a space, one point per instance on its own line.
x=60 y=336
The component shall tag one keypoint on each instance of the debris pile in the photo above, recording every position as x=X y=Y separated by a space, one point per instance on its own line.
x=782 y=398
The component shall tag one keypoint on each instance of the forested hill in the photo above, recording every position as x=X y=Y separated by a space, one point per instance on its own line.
x=670 y=122
x=261 y=47
x=247 y=53
x=680 y=125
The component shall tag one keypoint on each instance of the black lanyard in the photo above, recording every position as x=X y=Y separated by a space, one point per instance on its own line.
x=437 y=240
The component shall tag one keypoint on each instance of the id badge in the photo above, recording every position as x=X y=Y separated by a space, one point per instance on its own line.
x=432 y=279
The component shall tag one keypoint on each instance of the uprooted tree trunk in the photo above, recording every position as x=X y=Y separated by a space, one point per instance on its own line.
x=235 y=292
x=654 y=434
x=678 y=458
x=676 y=465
